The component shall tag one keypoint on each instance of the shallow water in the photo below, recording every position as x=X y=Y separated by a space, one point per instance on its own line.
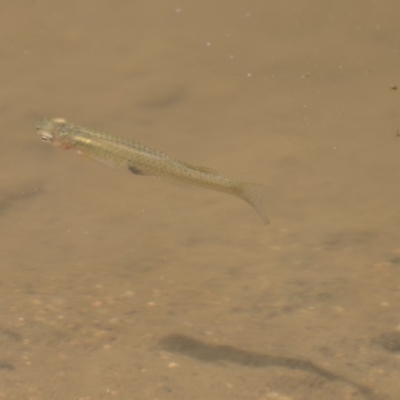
x=116 y=286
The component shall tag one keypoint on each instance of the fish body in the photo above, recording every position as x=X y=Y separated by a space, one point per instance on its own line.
x=119 y=152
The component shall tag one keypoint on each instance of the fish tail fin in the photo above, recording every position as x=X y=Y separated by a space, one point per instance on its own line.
x=256 y=195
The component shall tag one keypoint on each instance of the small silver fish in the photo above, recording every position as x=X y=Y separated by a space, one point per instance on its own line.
x=141 y=160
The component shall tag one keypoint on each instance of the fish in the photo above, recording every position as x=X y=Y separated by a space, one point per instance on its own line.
x=115 y=151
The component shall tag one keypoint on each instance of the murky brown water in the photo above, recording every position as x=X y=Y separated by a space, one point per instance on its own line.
x=122 y=287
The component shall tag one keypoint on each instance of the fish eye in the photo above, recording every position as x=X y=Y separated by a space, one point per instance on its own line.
x=46 y=137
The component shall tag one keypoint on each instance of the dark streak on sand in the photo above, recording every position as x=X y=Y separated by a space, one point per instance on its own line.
x=216 y=353
x=9 y=200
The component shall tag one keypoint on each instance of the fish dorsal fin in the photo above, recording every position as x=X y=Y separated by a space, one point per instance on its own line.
x=206 y=170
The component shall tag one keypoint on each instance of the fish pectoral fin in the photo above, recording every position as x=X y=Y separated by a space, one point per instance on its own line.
x=135 y=170
x=206 y=170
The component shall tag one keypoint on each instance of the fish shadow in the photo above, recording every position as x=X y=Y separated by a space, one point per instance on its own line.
x=213 y=353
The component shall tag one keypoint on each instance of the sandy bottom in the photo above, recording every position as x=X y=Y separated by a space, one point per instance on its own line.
x=115 y=286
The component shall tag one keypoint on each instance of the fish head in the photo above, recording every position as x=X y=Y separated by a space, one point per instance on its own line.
x=53 y=130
